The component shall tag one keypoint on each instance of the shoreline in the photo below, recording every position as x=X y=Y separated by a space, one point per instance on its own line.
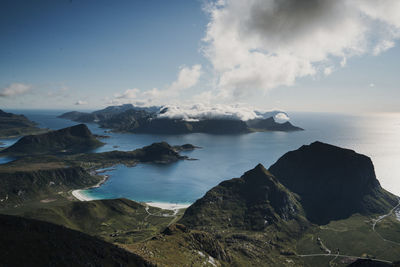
x=79 y=195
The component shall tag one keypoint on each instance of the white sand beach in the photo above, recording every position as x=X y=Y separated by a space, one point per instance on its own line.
x=168 y=206
x=78 y=194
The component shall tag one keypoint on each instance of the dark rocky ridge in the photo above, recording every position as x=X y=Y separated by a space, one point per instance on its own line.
x=333 y=183
x=72 y=139
x=251 y=202
x=27 y=242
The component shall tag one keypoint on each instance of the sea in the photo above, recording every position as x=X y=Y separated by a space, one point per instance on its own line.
x=223 y=157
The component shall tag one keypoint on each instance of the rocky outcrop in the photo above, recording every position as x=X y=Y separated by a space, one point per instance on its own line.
x=332 y=183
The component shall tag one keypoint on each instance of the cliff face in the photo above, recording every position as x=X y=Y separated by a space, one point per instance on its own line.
x=21 y=186
x=251 y=202
x=333 y=183
x=73 y=139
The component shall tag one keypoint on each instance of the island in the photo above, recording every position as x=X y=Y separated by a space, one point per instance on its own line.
x=13 y=125
x=152 y=120
x=70 y=140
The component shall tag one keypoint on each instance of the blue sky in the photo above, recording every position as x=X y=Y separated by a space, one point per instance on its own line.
x=56 y=54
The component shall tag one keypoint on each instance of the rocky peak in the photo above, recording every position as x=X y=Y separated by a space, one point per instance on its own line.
x=332 y=182
x=252 y=202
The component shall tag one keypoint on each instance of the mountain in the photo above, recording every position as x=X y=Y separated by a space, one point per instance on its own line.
x=332 y=183
x=74 y=116
x=251 y=202
x=27 y=242
x=72 y=139
x=12 y=125
x=273 y=217
x=38 y=181
x=160 y=152
x=248 y=221
x=269 y=124
x=106 y=113
x=128 y=118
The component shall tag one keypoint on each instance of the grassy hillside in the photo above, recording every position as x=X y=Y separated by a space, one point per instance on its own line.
x=114 y=220
x=73 y=139
x=12 y=125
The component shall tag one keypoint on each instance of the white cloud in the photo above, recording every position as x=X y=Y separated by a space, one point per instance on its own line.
x=187 y=77
x=382 y=47
x=81 y=102
x=371 y=85
x=328 y=70
x=281 y=117
x=128 y=94
x=262 y=44
x=15 y=89
x=220 y=111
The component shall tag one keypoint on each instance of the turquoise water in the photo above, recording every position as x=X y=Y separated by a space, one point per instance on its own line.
x=223 y=157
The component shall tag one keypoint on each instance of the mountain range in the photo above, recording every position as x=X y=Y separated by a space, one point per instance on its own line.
x=128 y=118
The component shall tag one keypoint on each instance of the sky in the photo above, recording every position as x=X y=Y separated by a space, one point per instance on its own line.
x=311 y=55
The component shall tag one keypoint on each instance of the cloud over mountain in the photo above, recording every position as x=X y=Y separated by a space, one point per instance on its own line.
x=219 y=111
x=262 y=44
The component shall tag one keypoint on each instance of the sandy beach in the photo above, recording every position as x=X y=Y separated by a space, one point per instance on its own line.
x=168 y=206
x=80 y=195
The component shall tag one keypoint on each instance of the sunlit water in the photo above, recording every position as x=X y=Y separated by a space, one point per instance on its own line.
x=226 y=156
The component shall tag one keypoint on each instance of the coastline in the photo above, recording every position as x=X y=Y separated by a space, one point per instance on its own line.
x=78 y=193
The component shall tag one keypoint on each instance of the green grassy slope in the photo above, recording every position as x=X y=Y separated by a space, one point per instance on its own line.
x=115 y=220
x=12 y=125
x=72 y=139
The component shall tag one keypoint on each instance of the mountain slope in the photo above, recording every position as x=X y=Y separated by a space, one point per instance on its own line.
x=24 y=185
x=333 y=183
x=114 y=220
x=72 y=139
x=251 y=202
x=12 y=125
x=26 y=242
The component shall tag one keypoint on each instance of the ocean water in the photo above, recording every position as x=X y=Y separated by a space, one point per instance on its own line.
x=226 y=156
